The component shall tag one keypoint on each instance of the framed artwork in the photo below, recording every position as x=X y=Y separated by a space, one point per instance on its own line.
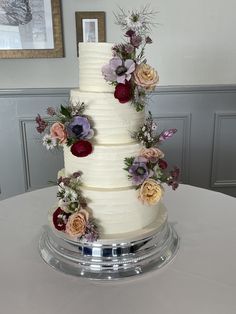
x=90 y=27
x=31 y=29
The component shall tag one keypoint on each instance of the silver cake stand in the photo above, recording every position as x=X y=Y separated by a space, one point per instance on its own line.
x=111 y=258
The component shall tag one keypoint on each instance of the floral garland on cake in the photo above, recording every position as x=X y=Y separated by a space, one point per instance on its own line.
x=148 y=171
x=128 y=70
x=67 y=126
x=72 y=215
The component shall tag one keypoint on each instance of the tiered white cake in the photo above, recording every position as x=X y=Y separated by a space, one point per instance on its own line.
x=110 y=194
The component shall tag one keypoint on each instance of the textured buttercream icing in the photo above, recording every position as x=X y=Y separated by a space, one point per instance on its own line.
x=119 y=211
x=92 y=56
x=104 y=167
x=111 y=197
x=113 y=122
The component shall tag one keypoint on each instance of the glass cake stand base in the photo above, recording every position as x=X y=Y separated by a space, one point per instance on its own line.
x=109 y=259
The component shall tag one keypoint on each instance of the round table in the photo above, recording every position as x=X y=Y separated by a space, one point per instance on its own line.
x=200 y=280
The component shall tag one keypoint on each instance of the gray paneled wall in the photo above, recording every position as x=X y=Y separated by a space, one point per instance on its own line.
x=24 y=164
x=207 y=137
x=204 y=146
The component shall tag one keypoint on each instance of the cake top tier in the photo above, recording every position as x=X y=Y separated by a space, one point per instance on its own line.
x=92 y=56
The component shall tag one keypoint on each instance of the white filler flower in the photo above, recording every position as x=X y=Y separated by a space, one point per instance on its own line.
x=49 y=141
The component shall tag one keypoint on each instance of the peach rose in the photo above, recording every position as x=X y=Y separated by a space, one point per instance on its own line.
x=58 y=131
x=146 y=76
x=150 y=192
x=151 y=153
x=76 y=224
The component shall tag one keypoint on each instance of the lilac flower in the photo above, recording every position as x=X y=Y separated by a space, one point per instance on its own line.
x=139 y=170
x=80 y=128
x=167 y=134
x=118 y=70
x=92 y=233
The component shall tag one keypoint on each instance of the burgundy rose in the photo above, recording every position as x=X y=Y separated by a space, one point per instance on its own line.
x=123 y=92
x=81 y=148
x=59 y=219
x=162 y=164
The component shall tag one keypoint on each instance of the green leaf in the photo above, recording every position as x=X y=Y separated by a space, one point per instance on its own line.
x=70 y=141
x=65 y=112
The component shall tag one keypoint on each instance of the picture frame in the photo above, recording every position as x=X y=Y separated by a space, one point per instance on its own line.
x=90 y=26
x=32 y=31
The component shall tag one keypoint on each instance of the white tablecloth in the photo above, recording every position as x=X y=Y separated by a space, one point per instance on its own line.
x=200 y=280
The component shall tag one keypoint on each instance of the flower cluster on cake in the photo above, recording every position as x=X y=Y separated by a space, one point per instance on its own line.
x=115 y=168
x=128 y=70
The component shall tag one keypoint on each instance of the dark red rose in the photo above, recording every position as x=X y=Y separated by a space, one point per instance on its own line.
x=123 y=92
x=81 y=148
x=59 y=219
x=162 y=164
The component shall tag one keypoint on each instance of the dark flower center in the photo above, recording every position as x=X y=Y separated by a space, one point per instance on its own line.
x=121 y=70
x=135 y=18
x=140 y=171
x=77 y=129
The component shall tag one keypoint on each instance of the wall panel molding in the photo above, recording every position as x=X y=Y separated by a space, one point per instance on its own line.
x=24 y=92
x=218 y=143
x=25 y=152
x=34 y=92
x=185 y=118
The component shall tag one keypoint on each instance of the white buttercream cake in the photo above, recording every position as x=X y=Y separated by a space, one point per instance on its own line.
x=113 y=199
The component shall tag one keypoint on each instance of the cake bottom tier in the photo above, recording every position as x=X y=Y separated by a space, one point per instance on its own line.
x=119 y=211
x=121 y=256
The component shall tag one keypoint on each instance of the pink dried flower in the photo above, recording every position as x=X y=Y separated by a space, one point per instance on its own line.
x=136 y=40
x=129 y=33
x=42 y=124
x=129 y=48
x=51 y=111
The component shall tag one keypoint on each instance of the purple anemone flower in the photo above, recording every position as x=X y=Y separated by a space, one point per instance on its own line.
x=118 y=70
x=80 y=128
x=139 y=170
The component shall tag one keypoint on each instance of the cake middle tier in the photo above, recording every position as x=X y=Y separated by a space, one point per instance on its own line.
x=112 y=121
x=104 y=168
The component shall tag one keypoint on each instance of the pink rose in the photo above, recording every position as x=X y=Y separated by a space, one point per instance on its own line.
x=76 y=224
x=146 y=76
x=152 y=152
x=58 y=131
